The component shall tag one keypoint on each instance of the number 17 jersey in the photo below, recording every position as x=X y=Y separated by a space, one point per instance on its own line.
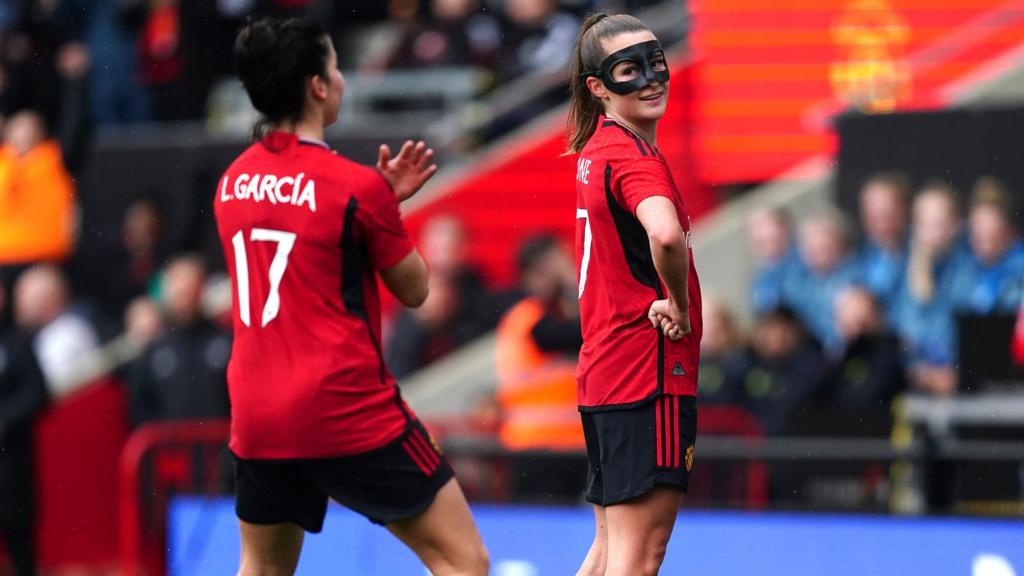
x=304 y=231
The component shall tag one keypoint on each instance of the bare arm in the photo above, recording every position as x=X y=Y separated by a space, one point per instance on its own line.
x=657 y=215
x=407 y=280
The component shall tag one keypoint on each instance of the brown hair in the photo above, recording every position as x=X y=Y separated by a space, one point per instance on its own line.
x=990 y=191
x=897 y=182
x=584 y=108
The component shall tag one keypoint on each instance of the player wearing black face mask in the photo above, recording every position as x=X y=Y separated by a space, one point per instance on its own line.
x=640 y=304
x=648 y=57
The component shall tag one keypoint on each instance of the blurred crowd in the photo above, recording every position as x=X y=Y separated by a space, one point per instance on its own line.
x=103 y=62
x=844 y=324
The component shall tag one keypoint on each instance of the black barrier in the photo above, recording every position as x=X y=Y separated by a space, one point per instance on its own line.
x=955 y=145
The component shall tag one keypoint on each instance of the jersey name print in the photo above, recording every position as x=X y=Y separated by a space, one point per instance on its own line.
x=304 y=231
x=282 y=190
x=624 y=360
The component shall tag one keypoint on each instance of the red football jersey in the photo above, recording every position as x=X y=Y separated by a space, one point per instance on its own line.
x=624 y=359
x=304 y=230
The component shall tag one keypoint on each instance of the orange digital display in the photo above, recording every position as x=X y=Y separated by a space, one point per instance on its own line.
x=769 y=75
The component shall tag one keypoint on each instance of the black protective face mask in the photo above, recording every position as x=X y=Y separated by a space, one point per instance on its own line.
x=643 y=55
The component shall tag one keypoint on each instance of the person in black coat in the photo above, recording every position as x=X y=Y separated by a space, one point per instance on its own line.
x=871 y=371
x=22 y=397
x=182 y=373
x=782 y=369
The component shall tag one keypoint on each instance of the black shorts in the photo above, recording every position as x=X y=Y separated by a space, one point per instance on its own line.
x=394 y=482
x=633 y=449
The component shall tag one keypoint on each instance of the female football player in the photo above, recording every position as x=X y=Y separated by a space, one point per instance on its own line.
x=639 y=298
x=314 y=412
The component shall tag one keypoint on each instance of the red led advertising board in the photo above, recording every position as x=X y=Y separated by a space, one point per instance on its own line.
x=770 y=74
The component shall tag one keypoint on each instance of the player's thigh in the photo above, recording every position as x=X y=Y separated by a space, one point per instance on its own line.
x=270 y=549
x=445 y=536
x=639 y=530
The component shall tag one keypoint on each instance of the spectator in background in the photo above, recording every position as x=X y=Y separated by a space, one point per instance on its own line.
x=113 y=36
x=455 y=33
x=826 y=269
x=182 y=373
x=458 y=308
x=993 y=278
x=537 y=345
x=136 y=260
x=37 y=195
x=782 y=369
x=46 y=66
x=22 y=397
x=871 y=370
x=884 y=219
x=924 y=313
x=63 y=338
x=769 y=236
x=160 y=58
x=538 y=341
x=538 y=38
x=721 y=345
x=143 y=322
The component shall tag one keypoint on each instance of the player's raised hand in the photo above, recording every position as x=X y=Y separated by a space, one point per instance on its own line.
x=409 y=170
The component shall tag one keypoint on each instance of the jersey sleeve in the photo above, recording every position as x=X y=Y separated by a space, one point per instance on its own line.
x=640 y=178
x=380 y=225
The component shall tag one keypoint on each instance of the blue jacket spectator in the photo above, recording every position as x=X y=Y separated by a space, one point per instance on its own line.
x=826 y=269
x=992 y=280
x=770 y=240
x=882 y=271
x=883 y=216
x=923 y=316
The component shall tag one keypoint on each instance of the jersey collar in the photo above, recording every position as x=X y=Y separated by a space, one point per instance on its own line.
x=606 y=121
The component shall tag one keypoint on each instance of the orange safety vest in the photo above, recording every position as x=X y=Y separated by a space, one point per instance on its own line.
x=536 y=390
x=37 y=205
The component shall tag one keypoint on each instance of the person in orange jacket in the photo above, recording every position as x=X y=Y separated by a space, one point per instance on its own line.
x=537 y=343
x=37 y=195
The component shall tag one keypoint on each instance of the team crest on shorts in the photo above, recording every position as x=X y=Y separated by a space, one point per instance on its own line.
x=689 y=458
x=434 y=443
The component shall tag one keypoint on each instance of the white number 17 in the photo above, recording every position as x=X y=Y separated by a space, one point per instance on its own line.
x=285 y=242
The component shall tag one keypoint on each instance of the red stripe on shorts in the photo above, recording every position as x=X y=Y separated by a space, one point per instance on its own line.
x=428 y=452
x=416 y=458
x=658 y=432
x=675 y=431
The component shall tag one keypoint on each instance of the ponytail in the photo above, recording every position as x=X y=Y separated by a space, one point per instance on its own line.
x=584 y=107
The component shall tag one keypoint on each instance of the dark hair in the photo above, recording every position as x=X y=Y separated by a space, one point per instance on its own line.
x=534 y=249
x=274 y=59
x=584 y=108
